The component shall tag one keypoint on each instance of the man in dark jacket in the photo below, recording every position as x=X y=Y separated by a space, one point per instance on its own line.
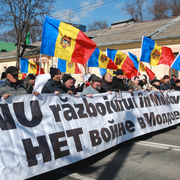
x=68 y=84
x=107 y=83
x=28 y=83
x=118 y=82
x=54 y=84
x=176 y=86
x=12 y=86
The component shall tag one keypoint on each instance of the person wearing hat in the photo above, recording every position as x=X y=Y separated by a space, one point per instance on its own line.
x=68 y=84
x=155 y=85
x=54 y=84
x=118 y=81
x=176 y=86
x=12 y=86
x=94 y=88
x=165 y=83
x=28 y=83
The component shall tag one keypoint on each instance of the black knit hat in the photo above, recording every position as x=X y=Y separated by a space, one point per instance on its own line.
x=12 y=70
x=155 y=80
x=66 y=77
x=119 y=72
x=54 y=71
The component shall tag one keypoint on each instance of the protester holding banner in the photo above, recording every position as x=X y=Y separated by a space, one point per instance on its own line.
x=165 y=83
x=94 y=88
x=54 y=84
x=145 y=85
x=176 y=86
x=68 y=84
x=118 y=81
x=155 y=85
x=133 y=84
x=12 y=86
x=172 y=80
x=28 y=83
x=106 y=85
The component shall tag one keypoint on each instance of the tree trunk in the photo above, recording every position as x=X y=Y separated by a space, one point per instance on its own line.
x=18 y=51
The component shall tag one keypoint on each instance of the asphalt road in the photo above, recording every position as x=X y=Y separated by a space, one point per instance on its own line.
x=155 y=156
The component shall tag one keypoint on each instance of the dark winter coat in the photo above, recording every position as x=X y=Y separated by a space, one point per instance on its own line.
x=51 y=86
x=176 y=88
x=27 y=85
x=106 y=86
x=118 y=84
x=165 y=86
x=65 y=89
x=12 y=88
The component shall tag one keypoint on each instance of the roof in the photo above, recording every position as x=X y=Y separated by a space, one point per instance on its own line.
x=28 y=53
x=6 y=46
x=135 y=31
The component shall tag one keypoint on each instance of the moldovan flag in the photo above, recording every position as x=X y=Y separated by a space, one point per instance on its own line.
x=103 y=71
x=68 y=67
x=123 y=62
x=21 y=75
x=29 y=67
x=66 y=42
x=154 y=55
x=176 y=63
x=142 y=67
x=100 y=60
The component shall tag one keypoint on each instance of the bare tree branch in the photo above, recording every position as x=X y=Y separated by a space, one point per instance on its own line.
x=20 y=16
x=159 y=9
x=136 y=9
x=174 y=7
x=96 y=25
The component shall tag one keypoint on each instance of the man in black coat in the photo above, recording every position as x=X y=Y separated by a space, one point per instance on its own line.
x=118 y=82
x=68 y=84
x=176 y=86
x=54 y=84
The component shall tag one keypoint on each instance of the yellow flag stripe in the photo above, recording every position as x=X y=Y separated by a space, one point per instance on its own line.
x=66 y=41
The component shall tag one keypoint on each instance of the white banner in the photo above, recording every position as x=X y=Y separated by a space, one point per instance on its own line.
x=39 y=134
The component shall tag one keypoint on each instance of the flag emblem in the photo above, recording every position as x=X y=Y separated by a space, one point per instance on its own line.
x=32 y=66
x=70 y=64
x=156 y=54
x=65 y=41
x=103 y=58
x=118 y=61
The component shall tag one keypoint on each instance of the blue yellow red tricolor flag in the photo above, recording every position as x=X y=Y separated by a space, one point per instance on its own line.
x=142 y=67
x=21 y=75
x=68 y=67
x=154 y=55
x=100 y=60
x=103 y=71
x=176 y=63
x=66 y=42
x=27 y=66
x=123 y=62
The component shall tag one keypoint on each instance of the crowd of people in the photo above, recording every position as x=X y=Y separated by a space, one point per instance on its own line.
x=58 y=84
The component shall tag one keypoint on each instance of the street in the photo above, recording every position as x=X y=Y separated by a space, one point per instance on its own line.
x=154 y=156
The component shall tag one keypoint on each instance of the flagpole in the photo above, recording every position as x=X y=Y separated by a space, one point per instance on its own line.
x=140 y=56
x=172 y=63
x=40 y=65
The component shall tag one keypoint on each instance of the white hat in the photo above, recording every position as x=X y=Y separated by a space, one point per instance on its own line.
x=141 y=77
